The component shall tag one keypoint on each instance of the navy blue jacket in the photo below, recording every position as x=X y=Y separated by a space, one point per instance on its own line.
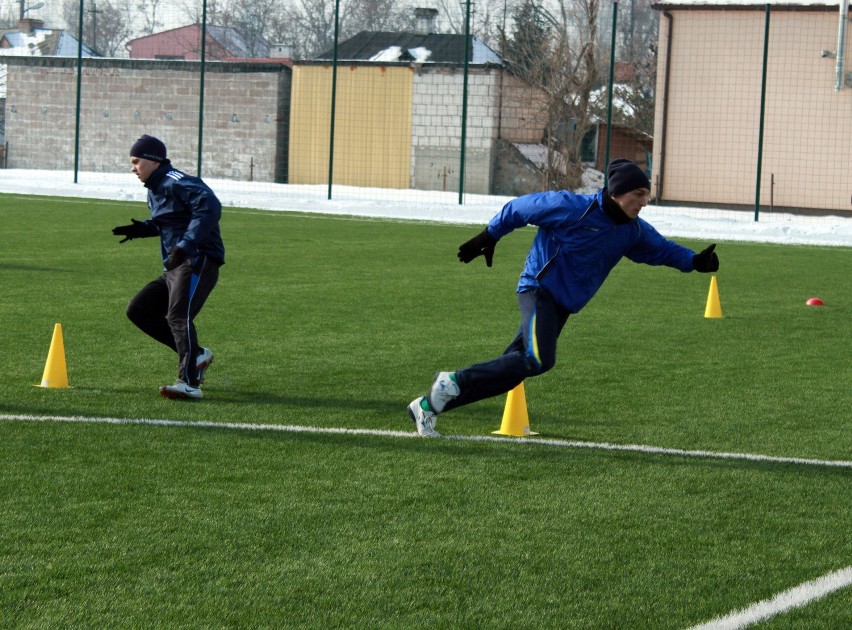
x=581 y=243
x=184 y=212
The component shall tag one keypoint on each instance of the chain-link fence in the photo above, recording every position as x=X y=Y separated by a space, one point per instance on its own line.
x=746 y=107
x=754 y=107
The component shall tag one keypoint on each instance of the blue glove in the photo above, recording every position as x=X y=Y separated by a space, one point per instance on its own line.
x=482 y=244
x=706 y=261
x=136 y=229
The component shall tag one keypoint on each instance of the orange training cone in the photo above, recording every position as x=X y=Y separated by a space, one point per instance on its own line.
x=714 y=306
x=516 y=421
x=55 y=372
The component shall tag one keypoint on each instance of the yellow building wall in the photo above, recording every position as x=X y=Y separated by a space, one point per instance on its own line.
x=372 y=131
x=712 y=131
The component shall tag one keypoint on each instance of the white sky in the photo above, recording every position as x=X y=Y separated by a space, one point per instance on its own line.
x=698 y=223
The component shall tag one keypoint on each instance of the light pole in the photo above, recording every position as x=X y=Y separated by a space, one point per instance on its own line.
x=25 y=9
x=94 y=11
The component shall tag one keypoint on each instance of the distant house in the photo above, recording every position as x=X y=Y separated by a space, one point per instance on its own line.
x=625 y=140
x=398 y=112
x=31 y=39
x=398 y=117
x=184 y=44
x=708 y=148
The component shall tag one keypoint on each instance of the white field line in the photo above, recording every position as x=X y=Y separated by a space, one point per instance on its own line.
x=289 y=428
x=795 y=597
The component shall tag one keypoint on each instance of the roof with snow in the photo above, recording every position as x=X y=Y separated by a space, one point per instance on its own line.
x=388 y=47
x=41 y=42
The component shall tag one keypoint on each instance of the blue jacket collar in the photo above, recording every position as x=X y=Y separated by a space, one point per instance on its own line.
x=157 y=176
x=612 y=209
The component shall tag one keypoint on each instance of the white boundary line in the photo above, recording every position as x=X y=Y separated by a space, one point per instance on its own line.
x=795 y=597
x=290 y=428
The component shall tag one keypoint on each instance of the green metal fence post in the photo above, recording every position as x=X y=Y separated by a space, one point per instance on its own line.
x=201 y=82
x=79 y=91
x=611 y=82
x=762 y=115
x=333 y=96
x=464 y=100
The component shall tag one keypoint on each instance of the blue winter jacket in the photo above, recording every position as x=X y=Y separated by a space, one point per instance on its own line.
x=184 y=212
x=579 y=244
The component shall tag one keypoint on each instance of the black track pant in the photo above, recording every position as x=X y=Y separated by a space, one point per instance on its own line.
x=532 y=352
x=165 y=309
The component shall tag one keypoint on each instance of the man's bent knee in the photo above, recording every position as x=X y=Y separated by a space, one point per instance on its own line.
x=540 y=365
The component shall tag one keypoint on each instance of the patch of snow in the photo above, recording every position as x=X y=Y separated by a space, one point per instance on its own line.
x=686 y=222
x=420 y=54
x=392 y=53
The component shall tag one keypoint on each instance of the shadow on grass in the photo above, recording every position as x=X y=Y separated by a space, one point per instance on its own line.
x=520 y=449
x=260 y=397
x=219 y=401
x=467 y=444
x=19 y=267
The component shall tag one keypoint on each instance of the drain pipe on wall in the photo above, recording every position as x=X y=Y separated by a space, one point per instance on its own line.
x=661 y=168
x=841 y=45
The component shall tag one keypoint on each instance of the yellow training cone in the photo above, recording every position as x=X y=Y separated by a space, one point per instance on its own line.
x=55 y=372
x=516 y=421
x=714 y=307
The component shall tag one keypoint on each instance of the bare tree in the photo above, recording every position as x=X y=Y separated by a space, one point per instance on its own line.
x=107 y=25
x=378 y=15
x=9 y=18
x=312 y=25
x=149 y=15
x=637 y=32
x=558 y=57
x=487 y=17
x=258 y=21
x=192 y=10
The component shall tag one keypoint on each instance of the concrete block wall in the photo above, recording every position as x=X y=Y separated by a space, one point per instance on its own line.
x=436 y=128
x=245 y=115
x=246 y=118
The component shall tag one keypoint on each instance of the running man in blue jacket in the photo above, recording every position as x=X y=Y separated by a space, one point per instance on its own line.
x=580 y=239
x=185 y=215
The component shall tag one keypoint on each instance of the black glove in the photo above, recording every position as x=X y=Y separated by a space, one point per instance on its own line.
x=137 y=229
x=481 y=244
x=706 y=261
x=176 y=257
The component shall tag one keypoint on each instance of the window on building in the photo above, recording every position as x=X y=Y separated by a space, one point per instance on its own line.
x=589 y=146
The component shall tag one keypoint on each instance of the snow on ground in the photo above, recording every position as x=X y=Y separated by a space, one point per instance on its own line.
x=698 y=223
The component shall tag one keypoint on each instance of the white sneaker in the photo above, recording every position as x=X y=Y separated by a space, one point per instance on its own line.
x=444 y=389
x=423 y=420
x=180 y=390
x=203 y=362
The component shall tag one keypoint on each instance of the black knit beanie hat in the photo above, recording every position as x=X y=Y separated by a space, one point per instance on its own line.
x=624 y=176
x=149 y=148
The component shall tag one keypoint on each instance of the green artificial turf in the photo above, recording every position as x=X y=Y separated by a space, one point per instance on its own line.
x=333 y=322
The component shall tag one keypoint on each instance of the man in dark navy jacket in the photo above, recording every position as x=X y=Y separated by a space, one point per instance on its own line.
x=580 y=239
x=185 y=215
